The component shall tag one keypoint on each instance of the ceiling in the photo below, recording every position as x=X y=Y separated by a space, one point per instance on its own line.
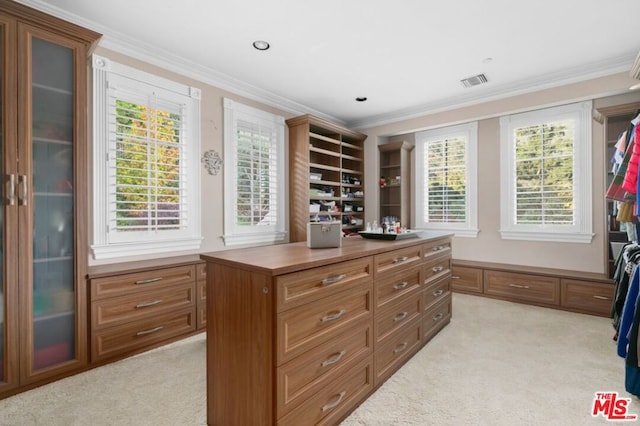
x=406 y=56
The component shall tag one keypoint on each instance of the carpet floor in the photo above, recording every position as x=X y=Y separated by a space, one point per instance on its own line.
x=497 y=363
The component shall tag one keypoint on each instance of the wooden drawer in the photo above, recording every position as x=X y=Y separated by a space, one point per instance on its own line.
x=201 y=271
x=307 y=286
x=436 y=292
x=535 y=289
x=396 y=286
x=398 y=315
x=397 y=260
x=435 y=269
x=392 y=354
x=435 y=317
x=588 y=297
x=466 y=280
x=333 y=401
x=437 y=248
x=136 y=307
x=304 y=376
x=310 y=325
x=125 y=284
x=127 y=338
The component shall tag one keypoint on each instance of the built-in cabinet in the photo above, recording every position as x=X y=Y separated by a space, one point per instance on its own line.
x=43 y=136
x=395 y=183
x=616 y=120
x=298 y=336
x=326 y=175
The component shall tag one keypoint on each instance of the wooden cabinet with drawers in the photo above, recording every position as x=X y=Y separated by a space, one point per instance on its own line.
x=302 y=336
x=574 y=291
x=139 y=305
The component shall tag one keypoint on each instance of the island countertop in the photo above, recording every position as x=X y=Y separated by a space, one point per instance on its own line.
x=292 y=257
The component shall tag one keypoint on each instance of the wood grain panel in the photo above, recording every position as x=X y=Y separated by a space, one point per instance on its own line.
x=534 y=289
x=125 y=284
x=467 y=280
x=436 y=269
x=392 y=354
x=397 y=260
x=398 y=315
x=436 y=248
x=435 y=317
x=586 y=296
x=437 y=291
x=391 y=288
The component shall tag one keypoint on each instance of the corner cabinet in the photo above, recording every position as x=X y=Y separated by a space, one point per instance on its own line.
x=395 y=182
x=43 y=321
x=326 y=175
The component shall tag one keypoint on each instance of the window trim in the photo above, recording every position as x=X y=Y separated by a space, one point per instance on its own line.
x=469 y=131
x=581 y=231
x=233 y=235
x=191 y=238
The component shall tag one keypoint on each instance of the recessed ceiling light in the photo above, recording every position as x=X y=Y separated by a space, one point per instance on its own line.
x=261 y=45
x=361 y=98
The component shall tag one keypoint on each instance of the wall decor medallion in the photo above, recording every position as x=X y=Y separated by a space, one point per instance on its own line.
x=212 y=161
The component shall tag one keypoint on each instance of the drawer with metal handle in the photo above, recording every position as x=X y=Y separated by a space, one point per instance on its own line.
x=397 y=260
x=390 y=355
x=394 y=317
x=590 y=297
x=394 y=287
x=119 y=310
x=436 y=269
x=537 y=289
x=308 y=326
x=137 y=282
x=435 y=317
x=298 y=288
x=127 y=338
x=303 y=376
x=436 y=292
x=436 y=248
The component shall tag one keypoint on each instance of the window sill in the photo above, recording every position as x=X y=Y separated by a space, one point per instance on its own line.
x=116 y=250
x=243 y=239
x=559 y=237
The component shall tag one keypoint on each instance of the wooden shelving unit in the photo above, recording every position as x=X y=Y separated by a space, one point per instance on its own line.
x=326 y=169
x=395 y=182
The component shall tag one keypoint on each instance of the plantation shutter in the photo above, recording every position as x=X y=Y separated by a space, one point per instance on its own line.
x=544 y=170
x=147 y=175
x=256 y=174
x=445 y=178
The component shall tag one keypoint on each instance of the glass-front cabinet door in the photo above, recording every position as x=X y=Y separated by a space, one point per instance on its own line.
x=46 y=192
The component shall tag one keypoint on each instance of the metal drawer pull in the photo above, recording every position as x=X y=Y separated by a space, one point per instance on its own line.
x=455 y=277
x=518 y=286
x=334 y=316
x=400 y=259
x=400 y=316
x=149 y=331
x=437 y=268
x=337 y=357
x=439 y=248
x=144 y=305
x=437 y=293
x=22 y=180
x=335 y=403
x=438 y=316
x=333 y=280
x=601 y=297
x=401 y=347
x=149 y=281
x=400 y=286
x=11 y=198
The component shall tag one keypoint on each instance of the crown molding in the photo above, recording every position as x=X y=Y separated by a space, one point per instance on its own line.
x=547 y=81
x=120 y=43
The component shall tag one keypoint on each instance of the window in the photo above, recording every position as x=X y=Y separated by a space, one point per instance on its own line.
x=546 y=185
x=446 y=179
x=147 y=180
x=254 y=175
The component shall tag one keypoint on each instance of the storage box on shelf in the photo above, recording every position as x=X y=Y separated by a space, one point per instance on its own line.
x=574 y=291
x=343 y=320
x=140 y=305
x=326 y=163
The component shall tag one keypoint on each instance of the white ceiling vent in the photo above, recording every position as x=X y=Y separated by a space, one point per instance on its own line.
x=476 y=80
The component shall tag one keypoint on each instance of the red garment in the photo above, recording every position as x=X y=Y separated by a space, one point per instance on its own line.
x=630 y=182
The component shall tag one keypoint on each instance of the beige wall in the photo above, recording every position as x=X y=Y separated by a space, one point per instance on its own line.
x=211 y=138
x=488 y=246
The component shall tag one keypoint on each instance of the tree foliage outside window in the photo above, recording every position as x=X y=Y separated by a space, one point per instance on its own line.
x=544 y=183
x=445 y=163
x=255 y=178
x=148 y=152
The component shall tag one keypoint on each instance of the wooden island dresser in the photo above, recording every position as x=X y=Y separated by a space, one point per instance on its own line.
x=300 y=336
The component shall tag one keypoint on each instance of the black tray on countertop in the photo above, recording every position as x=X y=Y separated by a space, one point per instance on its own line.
x=390 y=236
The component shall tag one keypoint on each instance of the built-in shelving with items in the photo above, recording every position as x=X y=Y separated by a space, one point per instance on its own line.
x=326 y=175
x=43 y=137
x=616 y=120
x=395 y=179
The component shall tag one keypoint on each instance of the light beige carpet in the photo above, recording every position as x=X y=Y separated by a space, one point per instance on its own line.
x=497 y=363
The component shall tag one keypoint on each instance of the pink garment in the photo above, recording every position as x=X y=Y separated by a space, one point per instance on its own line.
x=630 y=182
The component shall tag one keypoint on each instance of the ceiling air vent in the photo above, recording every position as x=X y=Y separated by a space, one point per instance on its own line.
x=474 y=81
